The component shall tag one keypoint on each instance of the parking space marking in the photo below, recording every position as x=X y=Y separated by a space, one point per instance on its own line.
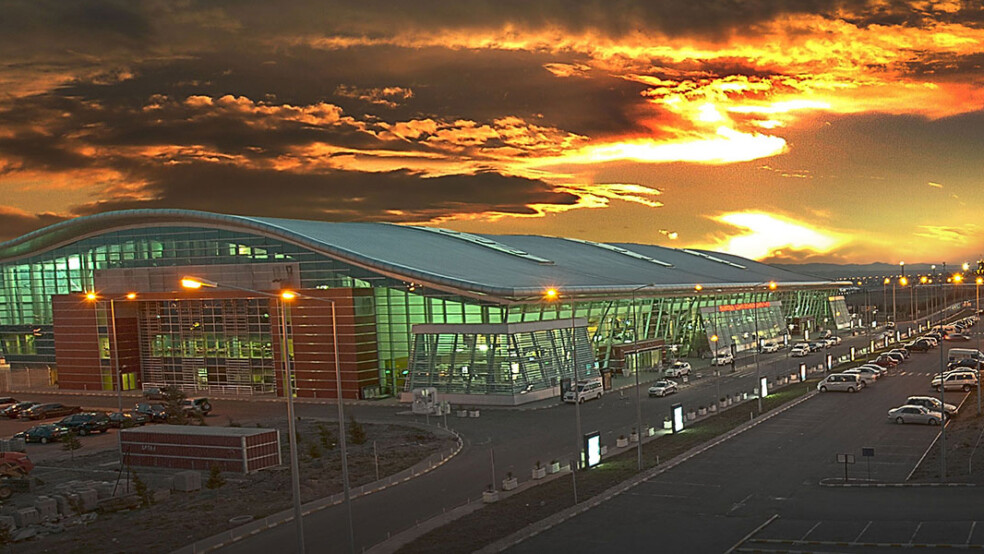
x=817 y=524
x=857 y=538
x=916 y=532
x=971 y=534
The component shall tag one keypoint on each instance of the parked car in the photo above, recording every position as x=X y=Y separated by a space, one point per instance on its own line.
x=800 y=351
x=880 y=370
x=156 y=412
x=585 y=390
x=127 y=419
x=919 y=345
x=198 y=404
x=897 y=356
x=866 y=374
x=914 y=414
x=154 y=393
x=662 y=388
x=964 y=363
x=86 y=423
x=44 y=433
x=843 y=382
x=7 y=401
x=770 y=347
x=886 y=361
x=836 y=339
x=50 y=409
x=722 y=359
x=957 y=337
x=14 y=410
x=956 y=380
x=817 y=345
x=677 y=369
x=890 y=325
x=903 y=351
x=932 y=403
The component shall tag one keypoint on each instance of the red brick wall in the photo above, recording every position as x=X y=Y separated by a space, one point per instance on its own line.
x=76 y=342
x=313 y=349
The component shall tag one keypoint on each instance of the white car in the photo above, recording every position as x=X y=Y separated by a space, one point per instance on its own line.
x=770 y=347
x=867 y=374
x=836 y=339
x=800 y=351
x=677 y=369
x=914 y=414
x=662 y=388
x=586 y=390
x=956 y=380
x=722 y=359
x=931 y=403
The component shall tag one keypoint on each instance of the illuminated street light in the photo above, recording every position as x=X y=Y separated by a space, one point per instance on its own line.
x=91 y=296
x=551 y=295
x=286 y=296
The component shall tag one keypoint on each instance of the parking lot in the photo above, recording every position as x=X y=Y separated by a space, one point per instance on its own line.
x=777 y=468
x=865 y=536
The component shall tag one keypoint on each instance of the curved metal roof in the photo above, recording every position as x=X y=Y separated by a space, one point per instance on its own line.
x=507 y=266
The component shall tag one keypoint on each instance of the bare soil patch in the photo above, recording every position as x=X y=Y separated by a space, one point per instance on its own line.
x=185 y=517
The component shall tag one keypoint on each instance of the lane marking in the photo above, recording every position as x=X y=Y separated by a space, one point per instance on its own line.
x=916 y=532
x=971 y=534
x=862 y=532
x=817 y=524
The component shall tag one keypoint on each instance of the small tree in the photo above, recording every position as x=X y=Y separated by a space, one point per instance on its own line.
x=71 y=442
x=215 y=479
x=143 y=492
x=326 y=437
x=356 y=434
x=172 y=400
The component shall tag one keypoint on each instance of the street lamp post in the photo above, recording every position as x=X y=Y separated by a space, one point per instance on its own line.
x=978 y=282
x=284 y=297
x=942 y=288
x=551 y=295
x=758 y=370
x=635 y=337
x=114 y=353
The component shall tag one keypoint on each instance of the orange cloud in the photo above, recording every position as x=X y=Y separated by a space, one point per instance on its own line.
x=763 y=235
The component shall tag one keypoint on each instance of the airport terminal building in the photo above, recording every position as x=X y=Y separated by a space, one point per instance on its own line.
x=97 y=300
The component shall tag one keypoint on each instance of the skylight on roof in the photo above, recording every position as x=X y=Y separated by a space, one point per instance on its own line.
x=620 y=250
x=712 y=258
x=484 y=242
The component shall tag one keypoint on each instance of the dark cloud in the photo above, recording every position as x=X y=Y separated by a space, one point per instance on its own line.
x=14 y=224
x=339 y=196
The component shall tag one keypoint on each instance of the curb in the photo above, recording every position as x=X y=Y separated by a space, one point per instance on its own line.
x=236 y=534
x=562 y=516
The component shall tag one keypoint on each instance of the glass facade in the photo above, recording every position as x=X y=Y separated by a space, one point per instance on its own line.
x=505 y=363
x=229 y=342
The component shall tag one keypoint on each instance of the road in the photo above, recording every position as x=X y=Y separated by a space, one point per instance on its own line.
x=713 y=501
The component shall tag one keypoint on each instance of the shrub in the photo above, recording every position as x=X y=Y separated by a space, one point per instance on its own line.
x=326 y=437
x=143 y=492
x=215 y=479
x=356 y=434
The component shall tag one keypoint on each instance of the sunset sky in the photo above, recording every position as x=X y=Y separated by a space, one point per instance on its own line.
x=840 y=131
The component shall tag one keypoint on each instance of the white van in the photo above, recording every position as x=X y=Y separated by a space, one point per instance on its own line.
x=965 y=353
x=586 y=390
x=844 y=382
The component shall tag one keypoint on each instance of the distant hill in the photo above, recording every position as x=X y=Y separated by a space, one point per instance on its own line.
x=848 y=271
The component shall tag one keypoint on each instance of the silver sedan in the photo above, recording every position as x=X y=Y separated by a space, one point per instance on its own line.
x=662 y=388
x=914 y=414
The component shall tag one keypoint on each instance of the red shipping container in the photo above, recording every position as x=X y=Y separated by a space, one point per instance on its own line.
x=193 y=447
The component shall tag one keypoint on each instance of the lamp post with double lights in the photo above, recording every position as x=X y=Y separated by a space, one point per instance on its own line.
x=114 y=352
x=551 y=295
x=758 y=372
x=885 y=296
x=285 y=296
x=635 y=328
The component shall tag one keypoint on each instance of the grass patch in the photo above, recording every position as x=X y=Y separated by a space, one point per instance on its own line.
x=495 y=521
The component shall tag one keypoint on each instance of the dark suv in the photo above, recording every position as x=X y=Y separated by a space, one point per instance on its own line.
x=199 y=405
x=86 y=423
x=51 y=409
x=156 y=412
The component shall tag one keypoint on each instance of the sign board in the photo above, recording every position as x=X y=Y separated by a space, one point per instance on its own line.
x=802 y=372
x=868 y=452
x=845 y=458
x=764 y=387
x=676 y=416
x=592 y=448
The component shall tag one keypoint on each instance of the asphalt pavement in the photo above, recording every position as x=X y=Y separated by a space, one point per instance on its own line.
x=733 y=495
